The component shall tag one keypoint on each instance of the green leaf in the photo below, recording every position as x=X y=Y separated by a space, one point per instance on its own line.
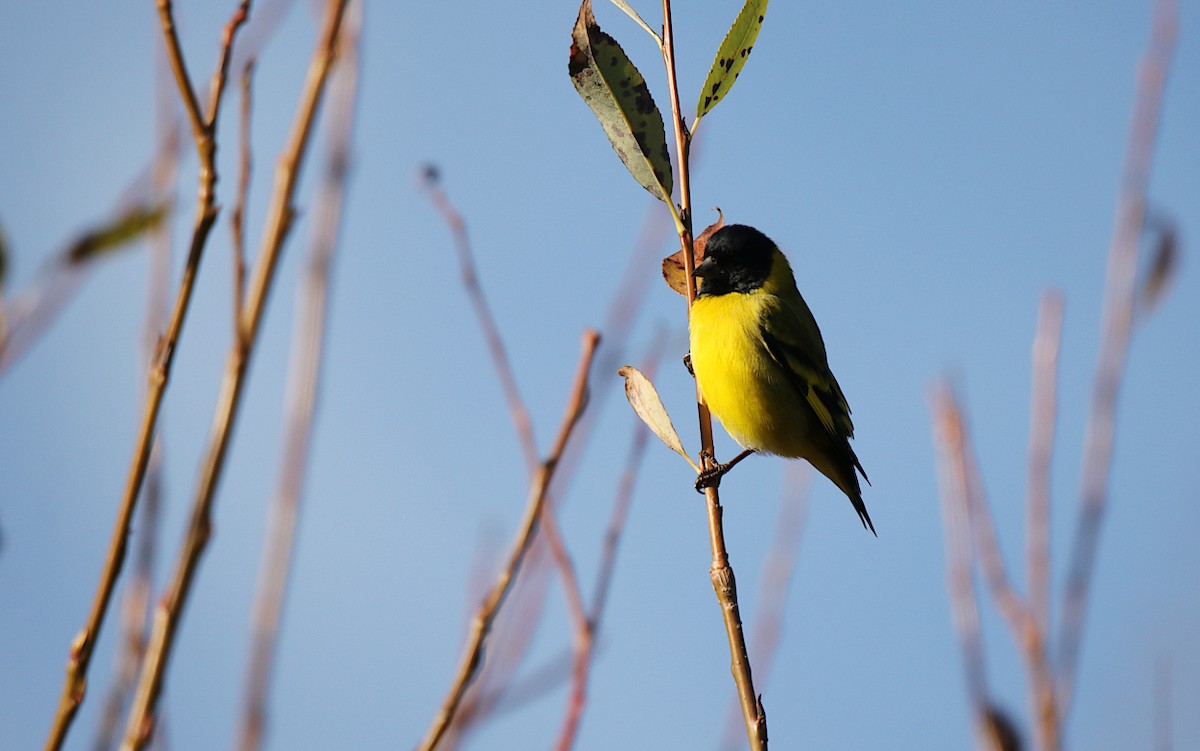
x=617 y=94
x=731 y=56
x=122 y=230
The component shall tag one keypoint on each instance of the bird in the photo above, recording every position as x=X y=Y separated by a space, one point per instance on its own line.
x=760 y=362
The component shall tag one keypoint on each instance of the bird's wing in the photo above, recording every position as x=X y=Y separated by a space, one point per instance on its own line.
x=794 y=342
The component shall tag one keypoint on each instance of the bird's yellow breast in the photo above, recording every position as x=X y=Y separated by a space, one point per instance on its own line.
x=744 y=386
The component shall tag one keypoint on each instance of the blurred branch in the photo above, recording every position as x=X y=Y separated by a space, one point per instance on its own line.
x=303 y=382
x=964 y=606
x=515 y=627
x=484 y=701
x=581 y=628
x=481 y=624
x=586 y=624
x=963 y=488
x=278 y=223
x=483 y=312
x=204 y=130
x=530 y=589
x=1116 y=330
x=1041 y=448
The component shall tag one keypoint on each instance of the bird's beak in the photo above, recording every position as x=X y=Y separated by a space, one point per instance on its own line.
x=704 y=268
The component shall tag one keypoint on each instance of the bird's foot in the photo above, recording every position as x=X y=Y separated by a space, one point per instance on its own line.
x=710 y=477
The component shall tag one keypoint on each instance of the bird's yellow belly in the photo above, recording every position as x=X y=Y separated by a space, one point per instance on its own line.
x=744 y=387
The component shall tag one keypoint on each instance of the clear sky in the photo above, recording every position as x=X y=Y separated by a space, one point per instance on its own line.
x=929 y=167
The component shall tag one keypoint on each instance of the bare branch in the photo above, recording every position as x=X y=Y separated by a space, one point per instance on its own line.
x=1041 y=447
x=964 y=605
x=487 y=321
x=773 y=587
x=206 y=214
x=140 y=723
x=303 y=382
x=481 y=624
x=1116 y=330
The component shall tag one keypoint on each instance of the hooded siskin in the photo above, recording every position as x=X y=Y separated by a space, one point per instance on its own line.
x=760 y=360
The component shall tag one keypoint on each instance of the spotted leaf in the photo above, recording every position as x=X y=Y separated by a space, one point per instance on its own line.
x=731 y=56
x=617 y=94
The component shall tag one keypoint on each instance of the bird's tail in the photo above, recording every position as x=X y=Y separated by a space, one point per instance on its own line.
x=839 y=467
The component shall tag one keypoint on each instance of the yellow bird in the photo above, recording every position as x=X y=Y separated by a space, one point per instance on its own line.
x=760 y=361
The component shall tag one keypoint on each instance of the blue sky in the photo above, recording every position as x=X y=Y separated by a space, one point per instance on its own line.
x=930 y=168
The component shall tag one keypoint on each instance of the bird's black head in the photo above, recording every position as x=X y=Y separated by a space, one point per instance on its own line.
x=737 y=258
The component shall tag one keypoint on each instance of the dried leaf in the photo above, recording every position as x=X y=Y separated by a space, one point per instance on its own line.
x=649 y=407
x=673 y=269
x=124 y=229
x=617 y=94
x=731 y=56
x=3 y=258
x=1162 y=267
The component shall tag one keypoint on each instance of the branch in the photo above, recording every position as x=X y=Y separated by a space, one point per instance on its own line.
x=279 y=219
x=948 y=433
x=135 y=606
x=237 y=219
x=773 y=587
x=481 y=624
x=723 y=581
x=308 y=342
x=1119 y=300
x=487 y=321
x=206 y=213
x=1041 y=447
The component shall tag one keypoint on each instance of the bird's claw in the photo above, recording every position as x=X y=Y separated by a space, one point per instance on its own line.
x=710 y=476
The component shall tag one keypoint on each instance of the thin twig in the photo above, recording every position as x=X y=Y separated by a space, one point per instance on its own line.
x=279 y=220
x=135 y=606
x=1119 y=302
x=303 y=382
x=237 y=218
x=515 y=627
x=183 y=81
x=723 y=581
x=1041 y=447
x=777 y=571
x=1018 y=615
x=960 y=585
x=586 y=622
x=481 y=624
x=487 y=321
x=556 y=670
x=1042 y=699
x=204 y=130
x=624 y=494
x=530 y=590
x=581 y=629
